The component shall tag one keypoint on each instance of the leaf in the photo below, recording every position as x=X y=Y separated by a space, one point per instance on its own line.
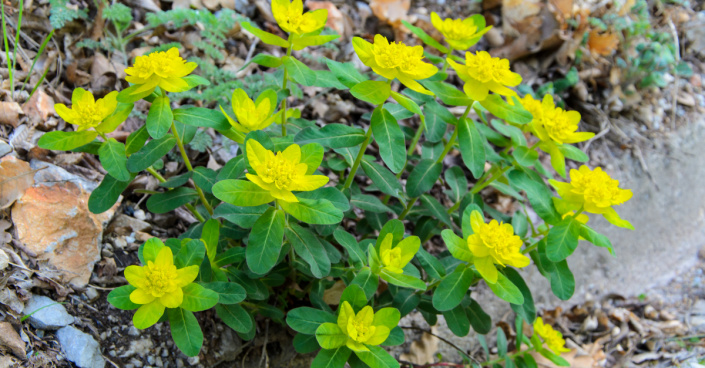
x=64 y=141
x=367 y=281
x=423 y=177
x=562 y=239
x=304 y=344
x=409 y=104
x=312 y=156
x=472 y=147
x=106 y=194
x=501 y=109
x=448 y=94
x=428 y=40
x=326 y=79
x=111 y=123
x=389 y=138
x=205 y=178
x=244 y=217
x=457 y=321
x=197 y=298
x=159 y=117
x=265 y=243
x=346 y=73
x=266 y=37
x=369 y=203
x=330 y=336
x=185 y=331
x=149 y=154
x=538 y=194
x=436 y=209
x=356 y=255
x=298 y=71
x=241 y=193
x=190 y=254
x=402 y=280
x=120 y=298
x=596 y=238
x=233 y=169
x=313 y=211
x=228 y=292
x=452 y=289
x=202 y=117
x=235 y=316
x=377 y=357
x=525 y=157
x=210 y=235
x=354 y=295
x=458 y=183
x=306 y=320
x=527 y=310
x=331 y=136
x=269 y=61
x=381 y=177
x=374 y=92
x=433 y=267
x=112 y=157
x=309 y=248
x=480 y=321
x=506 y=290
x=331 y=358
x=136 y=140
x=171 y=200
x=562 y=281
x=396 y=335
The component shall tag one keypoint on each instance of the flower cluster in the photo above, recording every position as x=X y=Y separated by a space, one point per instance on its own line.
x=461 y=34
x=291 y=17
x=494 y=243
x=553 y=339
x=86 y=111
x=360 y=330
x=252 y=115
x=395 y=258
x=483 y=73
x=164 y=69
x=553 y=124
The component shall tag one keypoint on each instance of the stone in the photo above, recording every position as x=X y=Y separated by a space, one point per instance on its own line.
x=125 y=221
x=11 y=340
x=80 y=348
x=4 y=148
x=46 y=314
x=91 y=294
x=68 y=236
x=4 y=260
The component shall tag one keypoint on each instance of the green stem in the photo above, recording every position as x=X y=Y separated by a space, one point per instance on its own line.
x=358 y=159
x=448 y=146
x=284 y=83
x=102 y=135
x=510 y=356
x=189 y=206
x=412 y=201
x=530 y=248
x=445 y=60
x=478 y=188
x=190 y=168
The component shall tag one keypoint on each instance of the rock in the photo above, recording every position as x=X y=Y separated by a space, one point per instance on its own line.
x=10 y=299
x=4 y=148
x=69 y=235
x=46 y=314
x=125 y=221
x=91 y=294
x=80 y=348
x=11 y=340
x=4 y=260
x=16 y=177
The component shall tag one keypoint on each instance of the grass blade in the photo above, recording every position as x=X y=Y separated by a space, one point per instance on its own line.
x=39 y=54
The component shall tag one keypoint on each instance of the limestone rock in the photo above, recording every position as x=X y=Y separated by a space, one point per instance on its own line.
x=46 y=314
x=80 y=348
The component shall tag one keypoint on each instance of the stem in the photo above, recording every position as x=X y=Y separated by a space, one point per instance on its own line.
x=530 y=248
x=510 y=356
x=408 y=208
x=102 y=135
x=284 y=82
x=478 y=188
x=189 y=206
x=358 y=159
x=190 y=168
x=445 y=60
x=448 y=146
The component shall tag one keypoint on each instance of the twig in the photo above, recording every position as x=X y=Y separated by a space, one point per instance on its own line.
x=596 y=137
x=674 y=32
x=265 y=357
x=251 y=51
x=442 y=339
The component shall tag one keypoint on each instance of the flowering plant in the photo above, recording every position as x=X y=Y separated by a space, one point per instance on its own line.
x=291 y=219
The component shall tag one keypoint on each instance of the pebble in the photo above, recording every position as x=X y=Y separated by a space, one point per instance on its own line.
x=133 y=331
x=4 y=149
x=4 y=260
x=51 y=316
x=80 y=348
x=91 y=294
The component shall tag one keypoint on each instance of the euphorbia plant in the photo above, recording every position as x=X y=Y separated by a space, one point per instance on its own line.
x=292 y=215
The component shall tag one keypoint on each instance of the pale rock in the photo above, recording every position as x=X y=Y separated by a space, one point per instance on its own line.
x=4 y=260
x=10 y=299
x=4 y=148
x=46 y=314
x=125 y=221
x=91 y=294
x=80 y=348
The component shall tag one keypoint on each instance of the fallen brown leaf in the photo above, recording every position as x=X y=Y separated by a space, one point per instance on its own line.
x=390 y=11
x=588 y=356
x=336 y=20
x=602 y=44
x=39 y=107
x=11 y=340
x=332 y=296
x=10 y=113
x=15 y=177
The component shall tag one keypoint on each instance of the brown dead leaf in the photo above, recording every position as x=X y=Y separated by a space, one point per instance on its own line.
x=626 y=7
x=390 y=11
x=423 y=350
x=602 y=44
x=521 y=16
x=332 y=296
x=588 y=356
x=11 y=340
x=15 y=178
x=39 y=107
x=10 y=113
x=564 y=7
x=336 y=20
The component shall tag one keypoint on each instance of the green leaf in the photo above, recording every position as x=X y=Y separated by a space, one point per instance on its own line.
x=408 y=104
x=228 y=292
x=190 y=254
x=514 y=133
x=356 y=255
x=269 y=61
x=106 y=194
x=506 y=290
x=381 y=177
x=501 y=109
x=562 y=281
x=326 y=79
x=562 y=239
x=159 y=117
x=210 y=235
x=331 y=358
x=448 y=93
x=525 y=156
x=389 y=138
x=433 y=267
x=368 y=281
x=354 y=295
x=437 y=120
x=64 y=141
x=129 y=94
x=197 y=298
x=136 y=140
x=265 y=243
x=299 y=43
x=402 y=280
x=266 y=37
x=120 y=298
x=330 y=336
x=305 y=344
x=557 y=360
x=472 y=147
x=423 y=177
x=539 y=195
x=177 y=181
x=202 y=117
x=480 y=321
x=458 y=183
x=116 y=118
x=309 y=248
x=428 y=40
x=233 y=169
x=149 y=154
x=235 y=316
x=346 y=73
x=244 y=217
x=112 y=157
x=332 y=194
x=527 y=310
x=396 y=335
x=457 y=321
x=313 y=211
x=171 y=200
x=312 y=156
x=573 y=153
x=374 y=92
x=377 y=357
x=501 y=343
x=185 y=331
x=241 y=193
x=452 y=289
x=436 y=209
x=205 y=178
x=596 y=238
x=306 y=320
x=298 y=71
x=369 y=203
x=195 y=80
x=331 y=136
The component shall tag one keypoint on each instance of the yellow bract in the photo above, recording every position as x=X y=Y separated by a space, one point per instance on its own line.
x=553 y=339
x=251 y=115
x=494 y=243
x=461 y=34
x=553 y=124
x=85 y=111
x=159 y=285
x=482 y=73
x=593 y=191
x=291 y=17
x=363 y=328
x=395 y=60
x=160 y=69
x=281 y=173
x=394 y=259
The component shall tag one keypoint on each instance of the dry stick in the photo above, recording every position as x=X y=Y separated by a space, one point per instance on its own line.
x=442 y=339
x=675 y=82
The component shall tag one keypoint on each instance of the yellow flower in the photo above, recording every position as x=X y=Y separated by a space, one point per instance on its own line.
x=593 y=191
x=160 y=69
x=461 y=34
x=281 y=173
x=553 y=124
x=494 y=243
x=252 y=115
x=159 y=285
x=291 y=17
x=395 y=60
x=357 y=331
x=482 y=73
x=553 y=339
x=394 y=259
x=86 y=112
